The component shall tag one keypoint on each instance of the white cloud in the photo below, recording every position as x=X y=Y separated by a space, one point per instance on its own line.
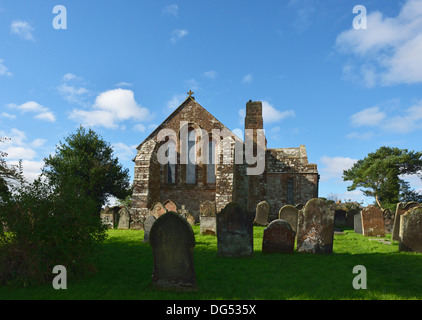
x=72 y=94
x=271 y=114
x=124 y=151
x=210 y=74
x=175 y=101
x=70 y=76
x=390 y=47
x=23 y=29
x=178 y=34
x=42 y=113
x=31 y=169
x=247 y=78
x=110 y=108
x=368 y=117
x=171 y=10
x=333 y=167
x=7 y=115
x=4 y=71
x=123 y=84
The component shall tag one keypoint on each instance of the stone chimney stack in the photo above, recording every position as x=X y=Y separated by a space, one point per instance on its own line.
x=254 y=119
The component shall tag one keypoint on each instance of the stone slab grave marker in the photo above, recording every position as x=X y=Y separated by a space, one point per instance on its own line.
x=350 y=216
x=372 y=222
x=401 y=209
x=234 y=232
x=411 y=230
x=170 y=206
x=357 y=227
x=289 y=214
x=340 y=218
x=158 y=210
x=316 y=229
x=124 y=219
x=262 y=212
x=149 y=221
x=278 y=237
x=172 y=240
x=207 y=217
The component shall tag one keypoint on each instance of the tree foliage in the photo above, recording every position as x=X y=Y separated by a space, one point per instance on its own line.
x=8 y=173
x=378 y=174
x=86 y=157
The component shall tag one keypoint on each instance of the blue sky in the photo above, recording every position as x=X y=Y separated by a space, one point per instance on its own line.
x=121 y=67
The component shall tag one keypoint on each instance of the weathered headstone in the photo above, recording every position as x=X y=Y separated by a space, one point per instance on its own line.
x=262 y=212
x=158 y=209
x=234 y=232
x=124 y=219
x=170 y=206
x=411 y=230
x=137 y=216
x=401 y=209
x=107 y=219
x=299 y=206
x=172 y=240
x=290 y=214
x=316 y=230
x=357 y=223
x=372 y=222
x=340 y=218
x=278 y=237
x=149 y=221
x=208 y=218
x=350 y=216
x=388 y=217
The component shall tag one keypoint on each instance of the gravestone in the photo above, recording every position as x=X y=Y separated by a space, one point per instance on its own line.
x=234 y=232
x=207 y=217
x=278 y=237
x=388 y=217
x=358 y=223
x=158 y=210
x=149 y=221
x=316 y=230
x=172 y=240
x=299 y=206
x=350 y=216
x=372 y=222
x=289 y=214
x=340 y=218
x=107 y=219
x=124 y=219
x=262 y=212
x=411 y=230
x=137 y=216
x=170 y=206
x=401 y=208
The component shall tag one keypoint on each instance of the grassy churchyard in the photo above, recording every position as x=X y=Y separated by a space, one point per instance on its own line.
x=125 y=265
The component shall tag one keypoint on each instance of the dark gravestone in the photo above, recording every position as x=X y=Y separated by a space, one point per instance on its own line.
x=289 y=214
x=172 y=240
x=234 y=232
x=350 y=216
x=388 y=220
x=358 y=223
x=372 y=222
x=278 y=237
x=401 y=209
x=411 y=230
x=340 y=218
x=316 y=232
x=149 y=221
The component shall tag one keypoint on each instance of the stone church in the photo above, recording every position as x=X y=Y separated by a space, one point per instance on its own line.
x=286 y=176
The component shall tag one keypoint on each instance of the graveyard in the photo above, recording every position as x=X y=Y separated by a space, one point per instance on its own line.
x=125 y=264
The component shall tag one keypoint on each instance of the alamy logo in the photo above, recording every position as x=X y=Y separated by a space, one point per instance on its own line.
x=197 y=146
x=360 y=21
x=60 y=21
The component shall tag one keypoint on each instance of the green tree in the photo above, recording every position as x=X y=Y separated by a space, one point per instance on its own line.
x=379 y=173
x=86 y=157
x=8 y=173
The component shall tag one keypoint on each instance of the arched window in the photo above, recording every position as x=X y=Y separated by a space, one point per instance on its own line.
x=211 y=162
x=171 y=165
x=191 y=166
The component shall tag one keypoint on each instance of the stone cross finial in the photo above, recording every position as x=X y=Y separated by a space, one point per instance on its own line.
x=190 y=93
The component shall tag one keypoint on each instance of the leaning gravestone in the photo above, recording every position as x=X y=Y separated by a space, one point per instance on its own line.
x=262 y=212
x=357 y=227
x=207 y=217
x=234 y=232
x=372 y=222
x=172 y=240
x=411 y=230
x=316 y=230
x=149 y=221
x=124 y=219
x=170 y=206
x=289 y=214
x=158 y=210
x=278 y=237
x=401 y=209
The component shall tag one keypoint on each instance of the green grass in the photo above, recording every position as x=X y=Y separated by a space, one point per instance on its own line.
x=125 y=265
